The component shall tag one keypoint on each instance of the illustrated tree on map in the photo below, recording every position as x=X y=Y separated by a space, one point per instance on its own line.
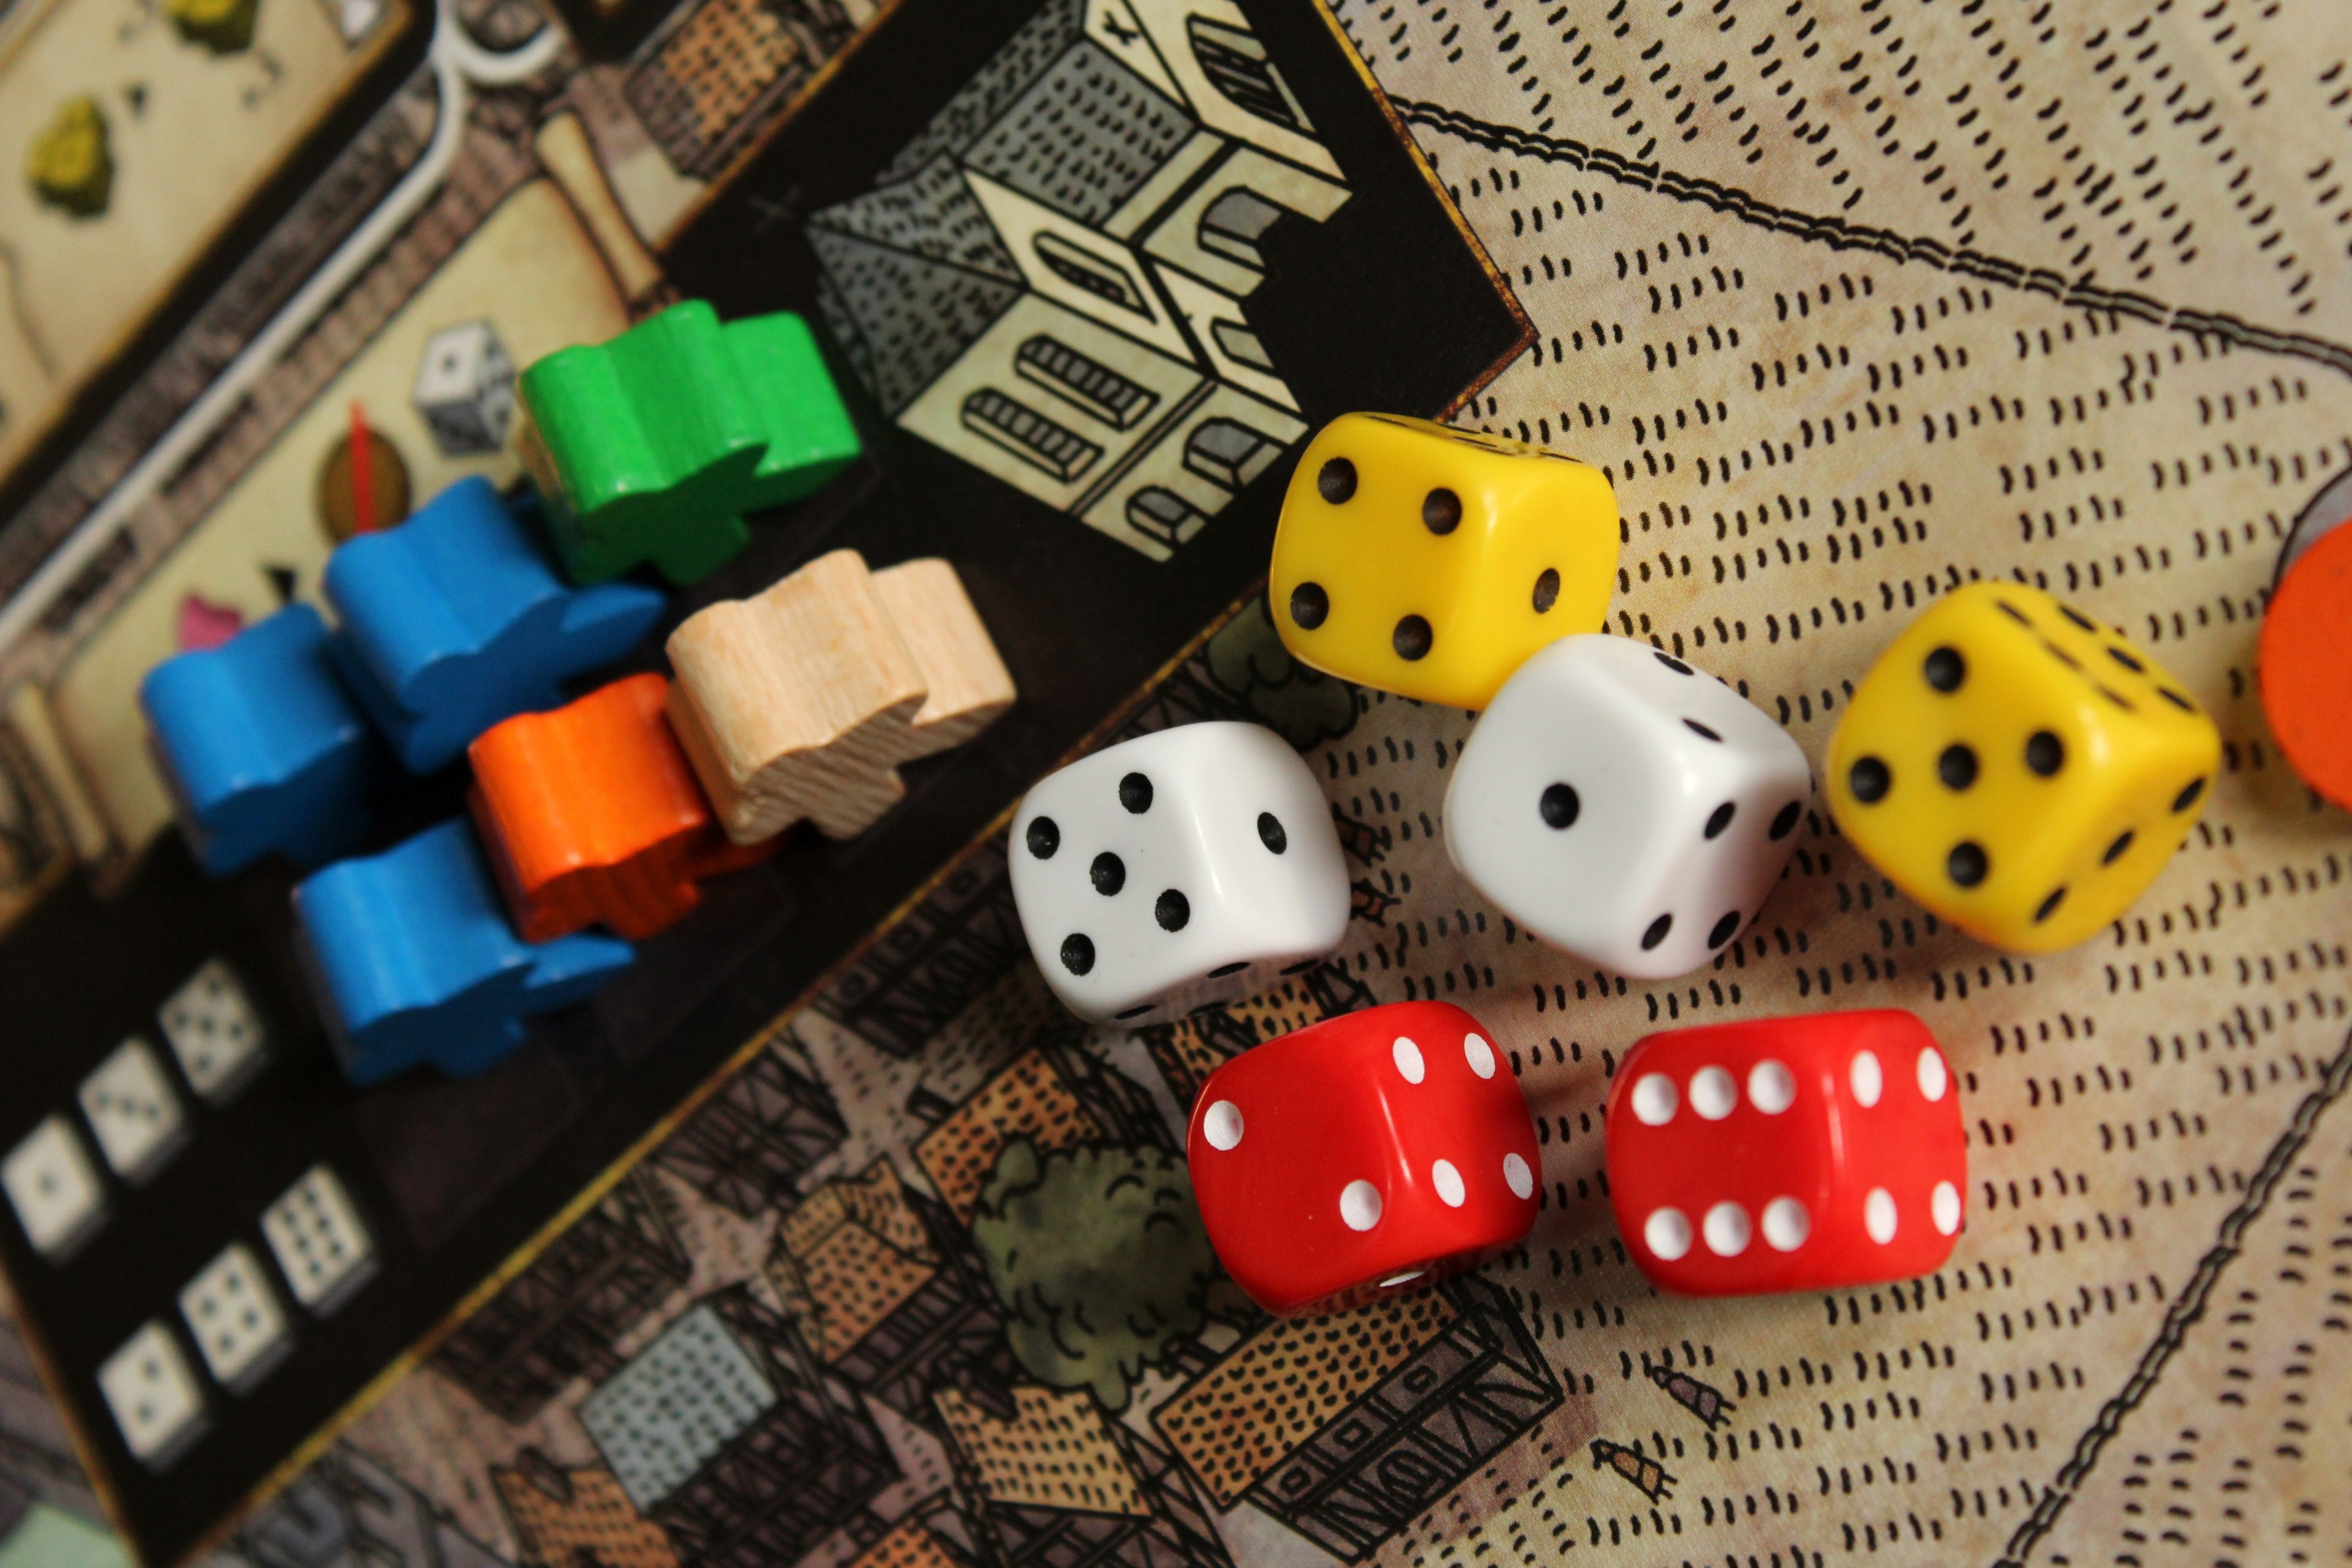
x=1100 y=1260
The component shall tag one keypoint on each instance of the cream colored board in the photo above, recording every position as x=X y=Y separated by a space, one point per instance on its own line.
x=535 y=274
x=938 y=415
x=208 y=130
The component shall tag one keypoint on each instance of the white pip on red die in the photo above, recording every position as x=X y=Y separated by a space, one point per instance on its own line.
x=1788 y=1154
x=1377 y=1152
x=1624 y=806
x=1178 y=868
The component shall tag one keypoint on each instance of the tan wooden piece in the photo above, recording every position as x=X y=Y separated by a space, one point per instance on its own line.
x=968 y=683
x=802 y=701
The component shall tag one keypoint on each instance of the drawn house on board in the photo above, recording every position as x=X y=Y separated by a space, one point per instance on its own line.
x=1049 y=282
x=1349 y=1427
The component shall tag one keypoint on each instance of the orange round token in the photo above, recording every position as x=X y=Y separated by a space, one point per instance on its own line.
x=2306 y=664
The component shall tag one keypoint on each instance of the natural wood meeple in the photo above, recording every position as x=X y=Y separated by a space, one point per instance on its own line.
x=1349 y=1427
x=801 y=701
x=749 y=1147
x=562 y=1317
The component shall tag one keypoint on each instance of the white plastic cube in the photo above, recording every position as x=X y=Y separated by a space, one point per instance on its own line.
x=466 y=390
x=1624 y=806
x=1178 y=868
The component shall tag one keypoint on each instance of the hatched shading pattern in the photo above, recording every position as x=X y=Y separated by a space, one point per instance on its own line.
x=1055 y=1453
x=574 y=1514
x=1027 y=1100
x=1286 y=1383
x=848 y=1257
x=910 y=1545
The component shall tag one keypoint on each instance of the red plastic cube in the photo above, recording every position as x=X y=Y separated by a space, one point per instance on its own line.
x=1376 y=1152
x=1788 y=1154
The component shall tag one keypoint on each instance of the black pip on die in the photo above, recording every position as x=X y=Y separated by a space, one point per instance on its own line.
x=1624 y=806
x=1178 y=868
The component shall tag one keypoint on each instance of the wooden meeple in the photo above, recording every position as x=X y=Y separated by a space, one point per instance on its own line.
x=803 y=700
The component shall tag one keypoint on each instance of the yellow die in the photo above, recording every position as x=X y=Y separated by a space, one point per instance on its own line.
x=2019 y=769
x=1432 y=562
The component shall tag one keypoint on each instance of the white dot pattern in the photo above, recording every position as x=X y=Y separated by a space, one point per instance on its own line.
x=1448 y=1182
x=1727 y=1230
x=1712 y=1094
x=1407 y=1057
x=1878 y=1216
x=1869 y=1081
x=1480 y=1054
x=1933 y=1077
x=1655 y=1099
x=1222 y=1125
x=1360 y=1204
x=1667 y=1234
x=1944 y=1205
x=1786 y=1224
x=1771 y=1088
x=1520 y=1179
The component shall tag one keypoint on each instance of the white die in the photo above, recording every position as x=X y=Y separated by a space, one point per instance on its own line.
x=1624 y=806
x=1181 y=868
x=466 y=390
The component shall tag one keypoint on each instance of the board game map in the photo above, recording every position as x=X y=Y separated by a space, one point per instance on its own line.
x=1856 y=304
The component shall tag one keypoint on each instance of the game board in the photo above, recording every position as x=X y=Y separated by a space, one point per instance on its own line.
x=430 y=1188
x=1855 y=304
x=186 y=113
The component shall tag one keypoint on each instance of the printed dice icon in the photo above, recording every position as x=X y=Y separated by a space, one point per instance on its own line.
x=1432 y=562
x=214 y=1032
x=154 y=1396
x=135 y=1112
x=1786 y=1154
x=321 y=1247
x=53 y=1188
x=234 y=1316
x=2019 y=769
x=1175 y=869
x=1624 y=806
x=1377 y=1152
x=465 y=390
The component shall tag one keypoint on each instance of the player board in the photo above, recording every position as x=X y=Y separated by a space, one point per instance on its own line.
x=186 y=1154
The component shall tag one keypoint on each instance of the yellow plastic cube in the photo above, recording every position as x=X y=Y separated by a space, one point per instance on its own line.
x=1432 y=562
x=2018 y=769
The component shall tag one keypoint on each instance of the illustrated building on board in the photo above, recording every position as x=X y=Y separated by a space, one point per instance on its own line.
x=1347 y=1427
x=1049 y=282
x=1059 y=1482
x=722 y=1433
x=560 y=1318
x=888 y=1294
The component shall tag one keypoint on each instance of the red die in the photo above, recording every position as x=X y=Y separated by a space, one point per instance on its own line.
x=1786 y=1154
x=1383 y=1149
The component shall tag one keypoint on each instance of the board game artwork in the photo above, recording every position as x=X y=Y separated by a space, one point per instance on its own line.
x=135 y=134
x=994 y=255
x=515 y=195
x=824 y=1234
